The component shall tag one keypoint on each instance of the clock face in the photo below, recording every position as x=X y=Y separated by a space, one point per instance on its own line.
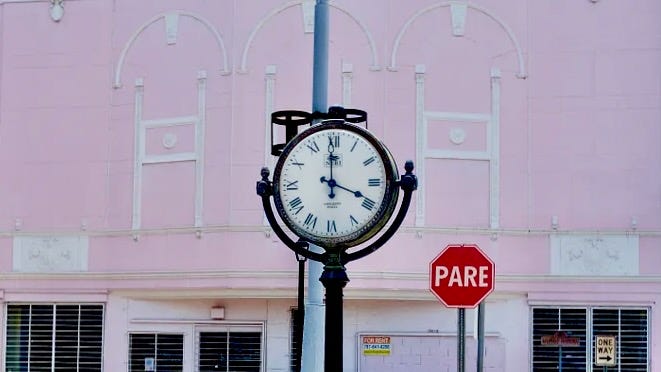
x=335 y=185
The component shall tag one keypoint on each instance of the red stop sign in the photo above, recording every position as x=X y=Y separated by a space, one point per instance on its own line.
x=461 y=275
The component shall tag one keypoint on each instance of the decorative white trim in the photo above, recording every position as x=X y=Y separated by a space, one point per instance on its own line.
x=138 y=145
x=491 y=154
x=171 y=27
x=347 y=80
x=38 y=254
x=169 y=140
x=200 y=137
x=493 y=144
x=293 y=274
x=198 y=122
x=458 y=11
x=169 y=158
x=304 y=8
x=456 y=136
x=594 y=255
x=169 y=122
x=375 y=64
x=56 y=10
x=308 y=16
x=170 y=33
x=393 y=57
x=469 y=117
x=457 y=155
x=114 y=283
x=269 y=94
x=420 y=143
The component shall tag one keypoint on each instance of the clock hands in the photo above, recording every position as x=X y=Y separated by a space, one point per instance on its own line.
x=331 y=160
x=330 y=181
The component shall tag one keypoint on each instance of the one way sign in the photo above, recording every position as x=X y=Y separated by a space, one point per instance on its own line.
x=604 y=351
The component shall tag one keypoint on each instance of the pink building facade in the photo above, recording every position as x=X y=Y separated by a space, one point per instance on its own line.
x=132 y=134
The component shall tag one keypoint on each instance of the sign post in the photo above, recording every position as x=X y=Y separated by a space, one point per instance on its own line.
x=604 y=351
x=461 y=276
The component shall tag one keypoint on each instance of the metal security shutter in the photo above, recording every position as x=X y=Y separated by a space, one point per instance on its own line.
x=546 y=322
x=629 y=326
x=165 y=352
x=46 y=337
x=78 y=338
x=230 y=350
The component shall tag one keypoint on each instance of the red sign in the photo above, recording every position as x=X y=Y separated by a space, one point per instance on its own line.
x=559 y=338
x=461 y=276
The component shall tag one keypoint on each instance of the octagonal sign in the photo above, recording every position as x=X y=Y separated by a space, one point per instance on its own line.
x=461 y=275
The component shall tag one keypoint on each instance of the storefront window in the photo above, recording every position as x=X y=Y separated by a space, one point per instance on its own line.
x=230 y=351
x=49 y=337
x=563 y=339
x=156 y=352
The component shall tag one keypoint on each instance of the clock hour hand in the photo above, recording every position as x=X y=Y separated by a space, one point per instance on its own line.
x=332 y=184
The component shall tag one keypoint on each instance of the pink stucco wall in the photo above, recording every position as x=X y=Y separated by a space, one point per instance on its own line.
x=579 y=136
x=579 y=139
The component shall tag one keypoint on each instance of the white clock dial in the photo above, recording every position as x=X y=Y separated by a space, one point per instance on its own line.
x=335 y=185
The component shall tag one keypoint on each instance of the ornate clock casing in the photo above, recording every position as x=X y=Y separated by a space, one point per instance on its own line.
x=335 y=185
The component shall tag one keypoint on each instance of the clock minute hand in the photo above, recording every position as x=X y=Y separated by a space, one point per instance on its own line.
x=357 y=194
x=331 y=160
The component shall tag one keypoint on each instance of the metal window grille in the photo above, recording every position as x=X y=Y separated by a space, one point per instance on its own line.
x=156 y=352
x=230 y=351
x=54 y=337
x=630 y=327
x=551 y=357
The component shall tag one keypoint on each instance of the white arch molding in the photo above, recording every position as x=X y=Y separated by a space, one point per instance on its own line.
x=171 y=19
x=305 y=5
x=521 y=74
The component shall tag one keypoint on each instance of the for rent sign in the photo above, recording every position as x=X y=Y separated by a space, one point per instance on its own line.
x=376 y=345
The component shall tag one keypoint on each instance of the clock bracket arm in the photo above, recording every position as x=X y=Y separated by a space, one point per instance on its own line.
x=408 y=183
x=264 y=189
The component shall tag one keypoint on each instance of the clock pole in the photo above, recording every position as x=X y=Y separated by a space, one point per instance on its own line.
x=311 y=345
x=334 y=278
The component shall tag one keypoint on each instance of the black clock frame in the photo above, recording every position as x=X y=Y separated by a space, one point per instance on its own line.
x=386 y=207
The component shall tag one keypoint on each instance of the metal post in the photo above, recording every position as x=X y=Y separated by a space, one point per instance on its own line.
x=480 y=337
x=461 y=340
x=334 y=279
x=320 y=58
x=312 y=358
x=300 y=315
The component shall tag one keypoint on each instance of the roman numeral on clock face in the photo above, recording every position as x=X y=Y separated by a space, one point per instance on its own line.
x=310 y=220
x=313 y=146
x=353 y=220
x=296 y=205
x=353 y=146
x=334 y=141
x=369 y=161
x=330 y=226
x=293 y=185
x=374 y=182
x=368 y=204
